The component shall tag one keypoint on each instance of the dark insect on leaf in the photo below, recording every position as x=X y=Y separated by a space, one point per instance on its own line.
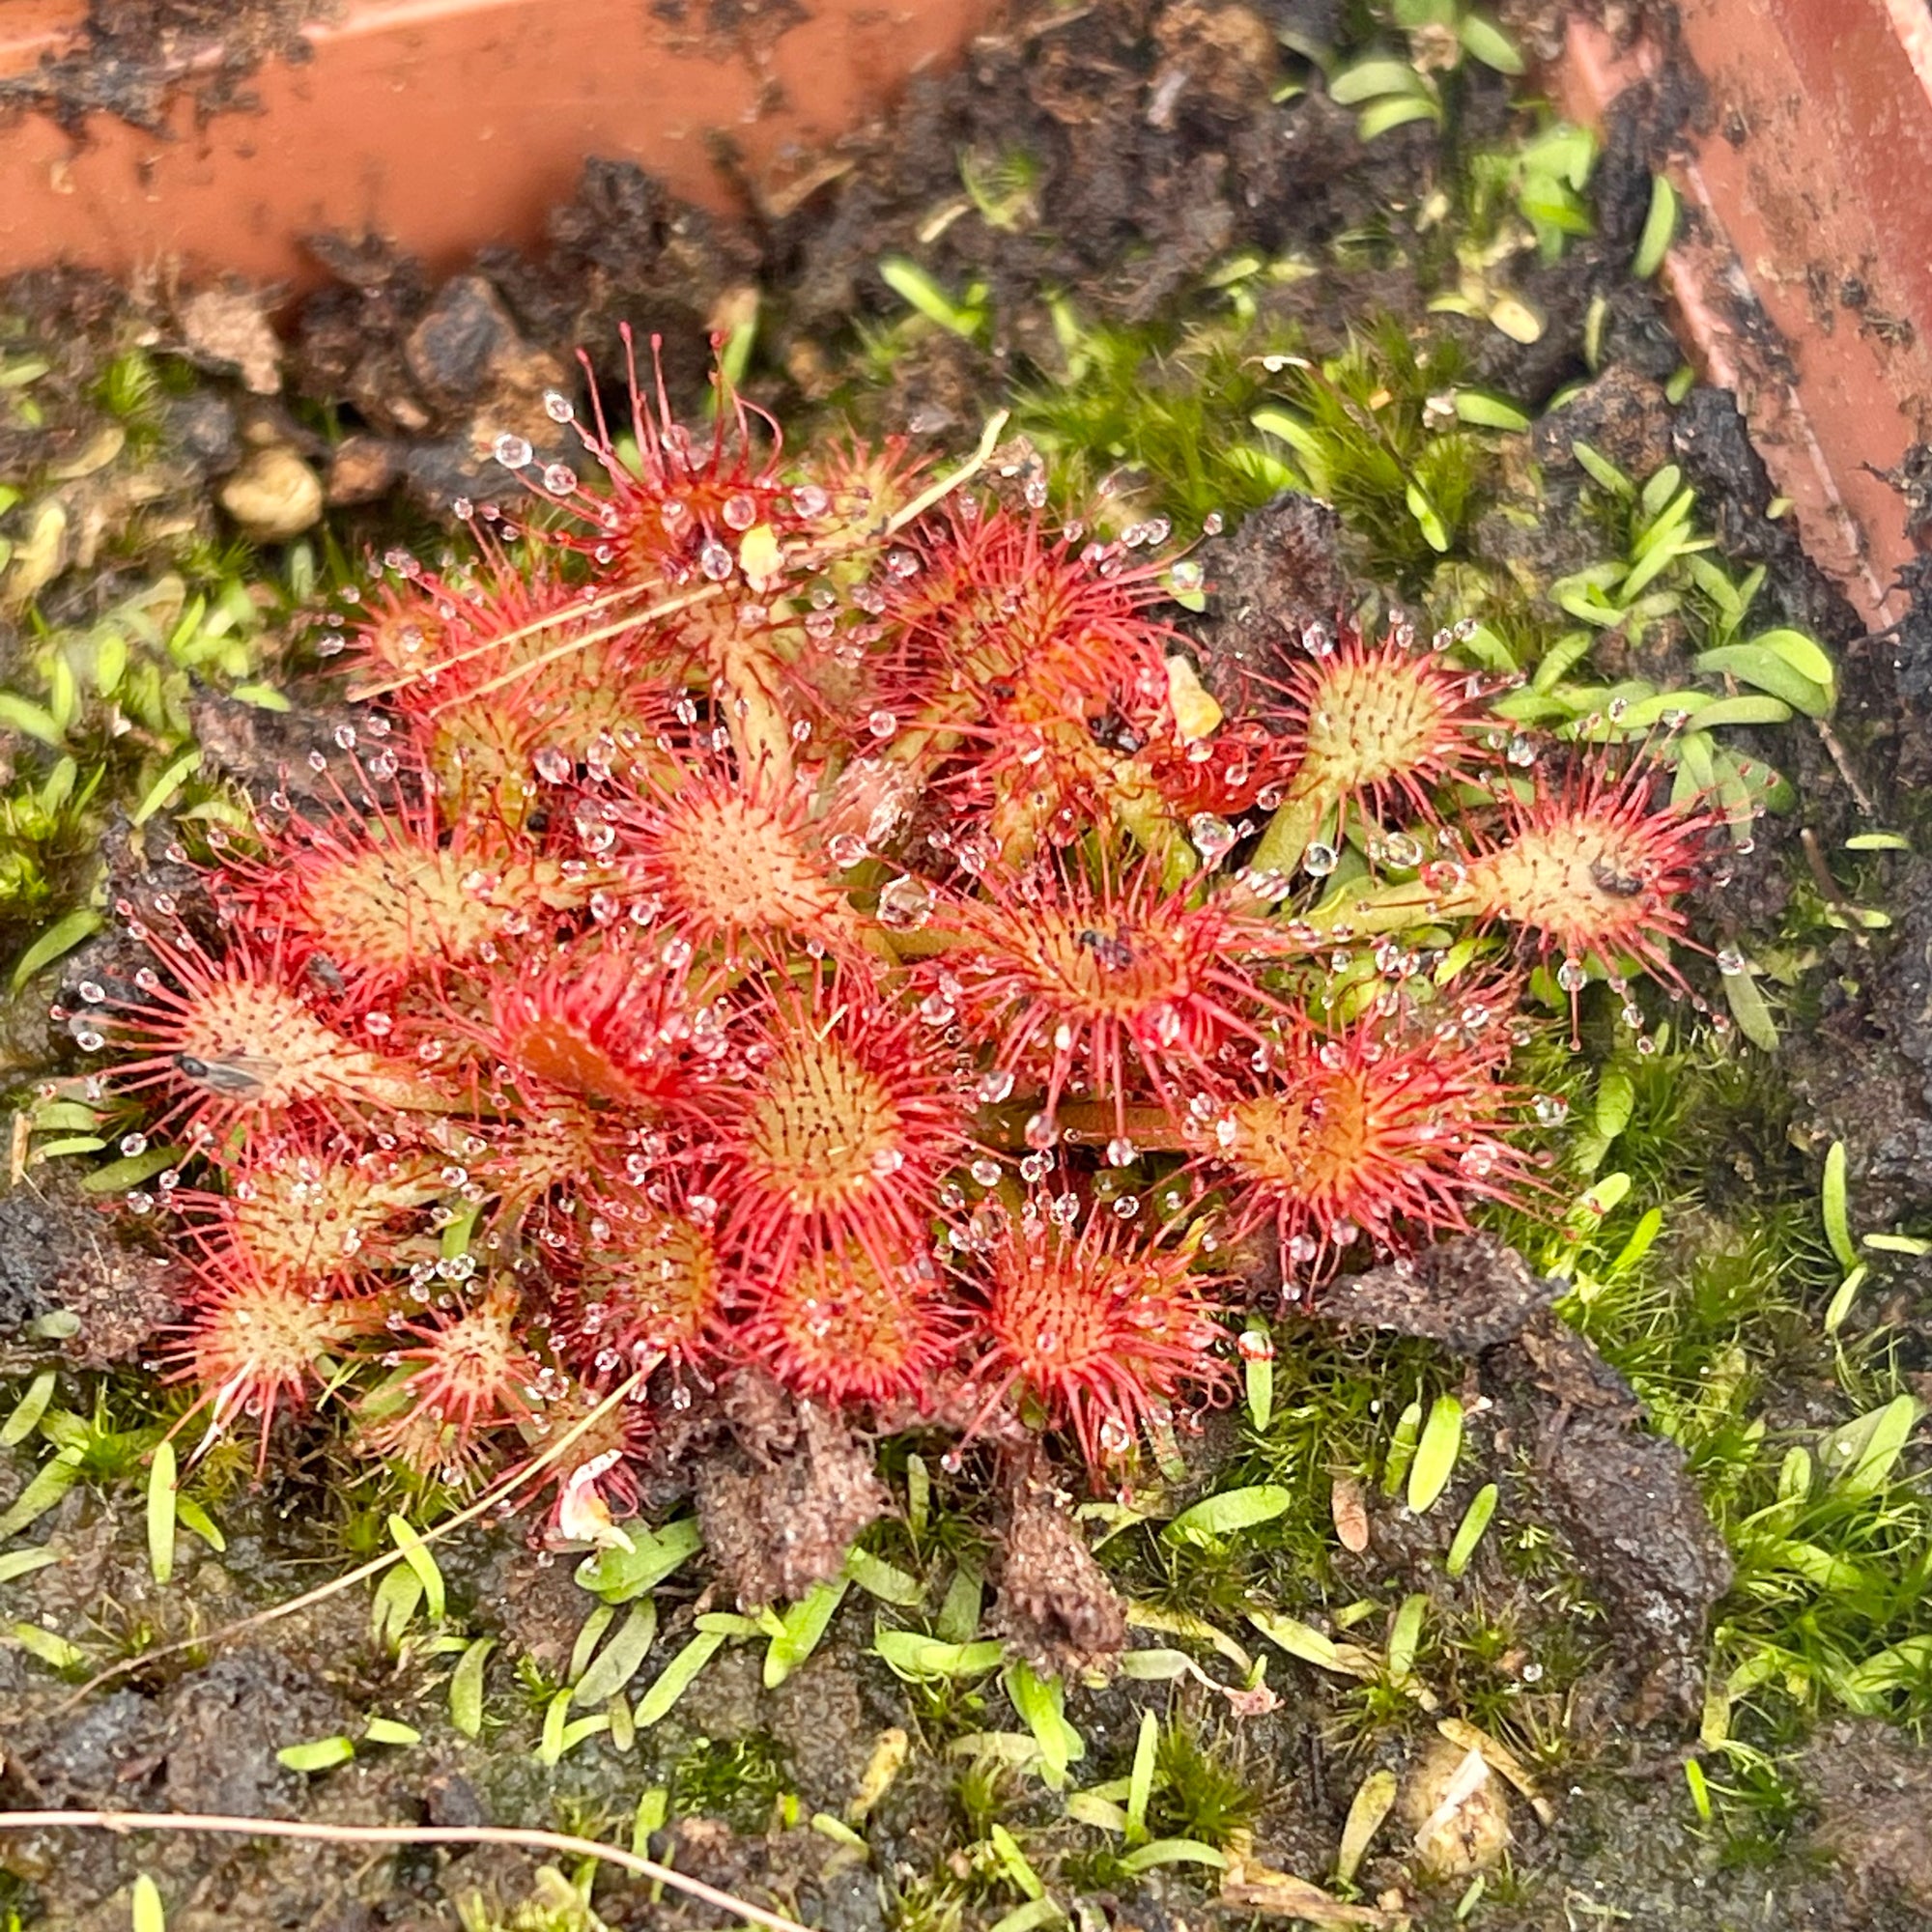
x=239 y=1075
x=1109 y=951
x=1110 y=731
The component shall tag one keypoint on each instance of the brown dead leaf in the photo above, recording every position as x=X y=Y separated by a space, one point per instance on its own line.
x=1279 y=1896
x=1501 y=1759
x=1350 y=1510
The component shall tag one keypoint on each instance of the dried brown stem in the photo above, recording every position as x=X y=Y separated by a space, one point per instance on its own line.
x=499 y=1493
x=917 y=508
x=398 y=1835
x=549 y=621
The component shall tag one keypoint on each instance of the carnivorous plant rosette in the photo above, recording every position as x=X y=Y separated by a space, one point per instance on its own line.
x=792 y=912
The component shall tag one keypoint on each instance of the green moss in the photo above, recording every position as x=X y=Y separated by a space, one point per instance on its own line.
x=933 y=1902
x=1154 y=421
x=740 y=1781
x=1207 y=1785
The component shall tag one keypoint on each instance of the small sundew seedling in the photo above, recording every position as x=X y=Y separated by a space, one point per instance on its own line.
x=460 y=1378
x=1377 y=724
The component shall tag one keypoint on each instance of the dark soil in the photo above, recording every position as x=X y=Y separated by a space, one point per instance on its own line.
x=1057 y=1608
x=58 y=1252
x=135 y=57
x=1625 y=1500
x=1472 y=1294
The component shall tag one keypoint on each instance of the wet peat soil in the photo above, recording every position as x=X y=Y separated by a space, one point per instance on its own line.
x=132 y=58
x=1160 y=152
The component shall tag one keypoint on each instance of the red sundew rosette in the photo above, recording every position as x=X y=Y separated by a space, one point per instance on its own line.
x=239 y=1035
x=1106 y=1326
x=852 y=1110
x=638 y=1278
x=1045 y=676
x=836 y=1326
x=258 y=1344
x=1114 y=987
x=465 y=1374
x=399 y=888
x=1388 y=1129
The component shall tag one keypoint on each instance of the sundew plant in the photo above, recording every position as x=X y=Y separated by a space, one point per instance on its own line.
x=809 y=915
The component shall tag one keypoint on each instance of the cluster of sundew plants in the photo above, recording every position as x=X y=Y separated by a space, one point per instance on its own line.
x=787 y=912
